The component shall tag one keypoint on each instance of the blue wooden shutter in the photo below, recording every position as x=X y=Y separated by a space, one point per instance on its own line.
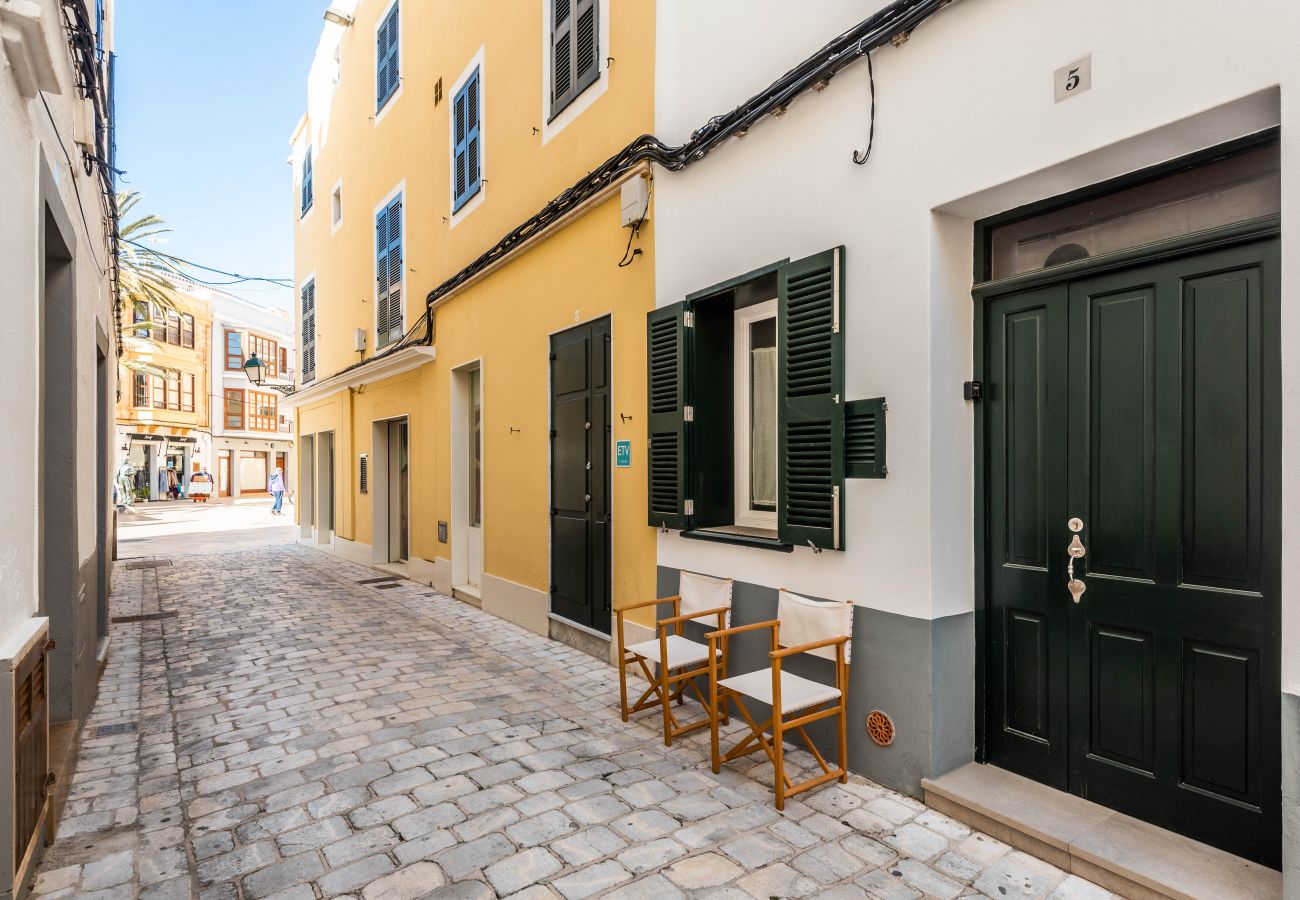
x=306 y=182
x=395 y=269
x=465 y=142
x=308 y=360
x=381 y=278
x=387 y=70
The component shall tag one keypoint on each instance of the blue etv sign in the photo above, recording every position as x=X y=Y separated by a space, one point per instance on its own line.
x=623 y=454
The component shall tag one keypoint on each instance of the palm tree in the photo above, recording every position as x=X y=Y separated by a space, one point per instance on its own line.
x=144 y=277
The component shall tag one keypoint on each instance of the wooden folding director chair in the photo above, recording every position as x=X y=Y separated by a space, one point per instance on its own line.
x=801 y=625
x=679 y=659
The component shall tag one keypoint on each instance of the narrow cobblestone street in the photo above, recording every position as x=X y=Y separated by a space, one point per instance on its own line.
x=270 y=725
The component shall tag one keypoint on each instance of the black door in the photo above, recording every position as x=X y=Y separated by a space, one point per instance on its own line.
x=1142 y=408
x=580 y=435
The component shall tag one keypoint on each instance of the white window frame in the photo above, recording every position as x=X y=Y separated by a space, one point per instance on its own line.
x=374 y=265
x=743 y=319
x=401 y=56
x=593 y=92
x=336 y=222
x=457 y=216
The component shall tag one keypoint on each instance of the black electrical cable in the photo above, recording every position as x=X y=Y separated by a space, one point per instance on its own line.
x=898 y=18
x=860 y=158
x=279 y=282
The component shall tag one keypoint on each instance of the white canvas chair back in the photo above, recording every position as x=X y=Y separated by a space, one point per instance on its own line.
x=704 y=592
x=804 y=621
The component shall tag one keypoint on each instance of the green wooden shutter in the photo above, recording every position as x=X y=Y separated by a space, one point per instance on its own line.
x=667 y=351
x=810 y=400
x=864 y=438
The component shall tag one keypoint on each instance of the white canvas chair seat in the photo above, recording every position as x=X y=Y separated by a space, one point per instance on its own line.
x=802 y=626
x=796 y=693
x=700 y=599
x=681 y=651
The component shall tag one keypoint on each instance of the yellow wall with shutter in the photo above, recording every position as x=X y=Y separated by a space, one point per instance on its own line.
x=504 y=320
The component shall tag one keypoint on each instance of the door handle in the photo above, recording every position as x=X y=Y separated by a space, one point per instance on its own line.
x=1075 y=550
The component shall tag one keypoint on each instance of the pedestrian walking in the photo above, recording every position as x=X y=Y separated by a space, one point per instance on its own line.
x=276 y=486
x=173 y=484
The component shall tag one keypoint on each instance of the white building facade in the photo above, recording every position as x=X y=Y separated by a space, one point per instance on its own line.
x=58 y=363
x=1059 y=286
x=252 y=433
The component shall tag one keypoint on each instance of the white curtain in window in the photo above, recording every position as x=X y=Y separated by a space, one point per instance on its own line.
x=762 y=436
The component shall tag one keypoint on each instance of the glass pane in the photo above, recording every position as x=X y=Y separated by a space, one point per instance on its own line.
x=1235 y=189
x=762 y=415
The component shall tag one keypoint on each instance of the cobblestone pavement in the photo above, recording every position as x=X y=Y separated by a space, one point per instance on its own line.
x=286 y=731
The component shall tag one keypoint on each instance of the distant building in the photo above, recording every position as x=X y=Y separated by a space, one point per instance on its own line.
x=251 y=432
x=164 y=410
x=58 y=366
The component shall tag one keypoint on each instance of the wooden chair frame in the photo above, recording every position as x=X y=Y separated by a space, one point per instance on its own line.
x=777 y=723
x=665 y=686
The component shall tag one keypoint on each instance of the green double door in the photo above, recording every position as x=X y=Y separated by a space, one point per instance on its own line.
x=1138 y=411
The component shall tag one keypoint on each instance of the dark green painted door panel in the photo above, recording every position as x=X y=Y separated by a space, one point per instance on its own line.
x=580 y=435
x=1146 y=403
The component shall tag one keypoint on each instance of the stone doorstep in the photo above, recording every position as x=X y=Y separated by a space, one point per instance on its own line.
x=1126 y=855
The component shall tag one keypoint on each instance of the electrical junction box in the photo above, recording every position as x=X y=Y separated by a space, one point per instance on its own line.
x=635 y=200
x=359 y=340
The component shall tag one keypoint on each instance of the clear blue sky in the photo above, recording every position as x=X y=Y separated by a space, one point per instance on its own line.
x=207 y=96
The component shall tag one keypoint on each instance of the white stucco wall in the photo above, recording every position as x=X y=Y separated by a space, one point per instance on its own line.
x=966 y=127
x=28 y=132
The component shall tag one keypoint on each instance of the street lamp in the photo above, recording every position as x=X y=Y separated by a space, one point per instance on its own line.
x=255 y=369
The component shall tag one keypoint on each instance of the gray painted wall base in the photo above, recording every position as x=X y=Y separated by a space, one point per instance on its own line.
x=1290 y=796
x=920 y=672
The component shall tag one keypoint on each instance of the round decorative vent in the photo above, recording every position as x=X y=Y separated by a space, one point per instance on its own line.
x=880 y=727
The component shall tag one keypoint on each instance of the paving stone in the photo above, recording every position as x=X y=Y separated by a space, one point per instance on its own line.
x=111 y=870
x=491 y=798
x=360 y=873
x=521 y=870
x=494 y=820
x=591 y=880
x=597 y=809
x=425 y=820
x=467 y=757
x=443 y=790
x=314 y=836
x=238 y=862
x=331 y=804
x=1019 y=875
x=881 y=884
x=956 y=866
x=588 y=846
x=827 y=864
x=467 y=858
x=296 y=870
x=366 y=843
x=645 y=857
x=644 y=825
x=541 y=829
x=405 y=884
x=381 y=811
x=703 y=871
x=777 y=880
x=917 y=841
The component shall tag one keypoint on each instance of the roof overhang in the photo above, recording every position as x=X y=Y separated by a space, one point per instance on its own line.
x=384 y=367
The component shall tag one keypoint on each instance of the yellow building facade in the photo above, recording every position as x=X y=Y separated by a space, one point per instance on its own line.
x=164 y=406
x=468 y=429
